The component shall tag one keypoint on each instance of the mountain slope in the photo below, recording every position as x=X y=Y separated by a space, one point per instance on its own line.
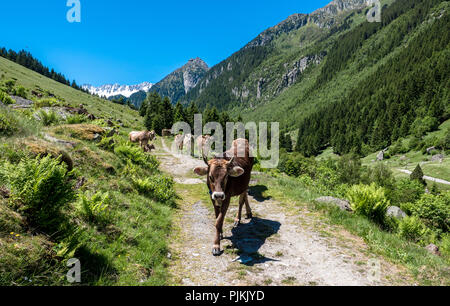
x=274 y=60
x=182 y=80
x=315 y=74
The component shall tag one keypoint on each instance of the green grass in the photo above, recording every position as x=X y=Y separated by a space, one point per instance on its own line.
x=427 y=269
x=125 y=246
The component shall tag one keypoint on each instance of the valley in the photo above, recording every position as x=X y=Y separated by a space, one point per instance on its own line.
x=360 y=196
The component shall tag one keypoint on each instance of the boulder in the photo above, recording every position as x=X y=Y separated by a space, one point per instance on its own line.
x=341 y=203
x=438 y=158
x=380 y=156
x=430 y=149
x=433 y=249
x=4 y=192
x=396 y=212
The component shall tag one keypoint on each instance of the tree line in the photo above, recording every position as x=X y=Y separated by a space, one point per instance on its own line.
x=27 y=60
x=409 y=94
x=159 y=113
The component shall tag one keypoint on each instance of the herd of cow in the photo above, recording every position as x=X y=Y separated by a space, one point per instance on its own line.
x=226 y=176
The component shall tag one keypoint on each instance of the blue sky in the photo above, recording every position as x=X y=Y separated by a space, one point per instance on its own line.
x=133 y=41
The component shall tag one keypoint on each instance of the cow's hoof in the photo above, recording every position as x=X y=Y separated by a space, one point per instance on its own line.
x=249 y=216
x=236 y=223
x=216 y=251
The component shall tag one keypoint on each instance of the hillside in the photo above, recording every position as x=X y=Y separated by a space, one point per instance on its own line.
x=178 y=83
x=313 y=73
x=91 y=203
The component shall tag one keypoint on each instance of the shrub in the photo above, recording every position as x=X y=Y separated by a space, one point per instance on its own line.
x=368 y=200
x=107 y=143
x=412 y=228
x=48 y=118
x=159 y=188
x=407 y=190
x=94 y=209
x=5 y=98
x=21 y=92
x=381 y=175
x=46 y=102
x=76 y=119
x=434 y=210
x=39 y=188
x=444 y=245
x=136 y=155
x=417 y=175
x=8 y=123
x=424 y=125
x=349 y=169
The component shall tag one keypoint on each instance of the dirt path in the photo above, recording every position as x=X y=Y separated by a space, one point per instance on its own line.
x=276 y=247
x=428 y=178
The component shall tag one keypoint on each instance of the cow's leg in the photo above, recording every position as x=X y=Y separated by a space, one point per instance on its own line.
x=219 y=227
x=247 y=206
x=217 y=212
x=237 y=221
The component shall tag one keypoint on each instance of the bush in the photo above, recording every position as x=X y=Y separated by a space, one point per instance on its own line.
x=381 y=175
x=94 y=209
x=46 y=102
x=136 y=155
x=434 y=210
x=21 y=92
x=444 y=245
x=423 y=125
x=407 y=190
x=5 y=98
x=159 y=188
x=48 y=118
x=39 y=188
x=107 y=143
x=349 y=169
x=417 y=175
x=412 y=228
x=369 y=201
x=76 y=119
x=8 y=123
x=297 y=165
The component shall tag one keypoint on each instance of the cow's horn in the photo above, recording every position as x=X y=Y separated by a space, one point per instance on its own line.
x=205 y=158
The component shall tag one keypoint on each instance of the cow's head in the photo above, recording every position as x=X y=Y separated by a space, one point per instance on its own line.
x=218 y=171
x=150 y=134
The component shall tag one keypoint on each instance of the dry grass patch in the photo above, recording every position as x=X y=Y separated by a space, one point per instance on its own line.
x=80 y=131
x=44 y=148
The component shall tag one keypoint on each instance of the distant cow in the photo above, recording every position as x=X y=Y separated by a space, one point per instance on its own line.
x=228 y=177
x=201 y=142
x=149 y=147
x=166 y=132
x=188 y=143
x=143 y=137
x=179 y=141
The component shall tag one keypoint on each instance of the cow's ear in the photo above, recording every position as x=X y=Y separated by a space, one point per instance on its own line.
x=236 y=171
x=201 y=171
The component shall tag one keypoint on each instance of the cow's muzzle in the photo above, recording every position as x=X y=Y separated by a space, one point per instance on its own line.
x=218 y=196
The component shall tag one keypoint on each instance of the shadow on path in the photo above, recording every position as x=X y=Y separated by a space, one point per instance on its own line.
x=250 y=237
x=257 y=193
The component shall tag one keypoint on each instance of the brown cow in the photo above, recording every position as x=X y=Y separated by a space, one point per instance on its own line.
x=143 y=137
x=228 y=177
x=179 y=139
x=201 y=142
x=149 y=147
